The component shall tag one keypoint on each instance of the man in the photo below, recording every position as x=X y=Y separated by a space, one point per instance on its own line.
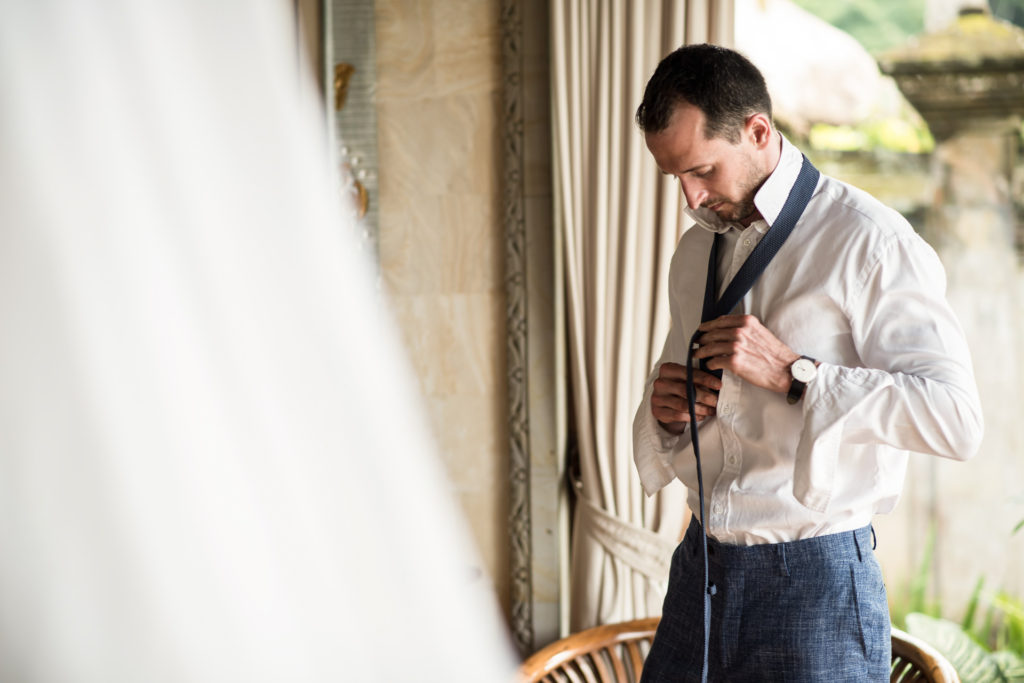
x=841 y=358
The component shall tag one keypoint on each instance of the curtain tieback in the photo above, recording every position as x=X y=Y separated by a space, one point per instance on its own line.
x=642 y=549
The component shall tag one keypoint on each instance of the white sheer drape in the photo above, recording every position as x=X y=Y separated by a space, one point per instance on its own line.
x=211 y=466
x=620 y=223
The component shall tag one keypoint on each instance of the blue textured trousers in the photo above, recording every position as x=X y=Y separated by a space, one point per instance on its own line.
x=811 y=610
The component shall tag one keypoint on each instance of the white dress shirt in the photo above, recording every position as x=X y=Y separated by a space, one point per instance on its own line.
x=857 y=289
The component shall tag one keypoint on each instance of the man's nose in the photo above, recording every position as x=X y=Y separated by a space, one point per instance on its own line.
x=695 y=193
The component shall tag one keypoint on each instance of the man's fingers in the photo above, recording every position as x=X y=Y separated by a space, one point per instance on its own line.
x=720 y=348
x=674 y=372
x=727 y=321
x=706 y=399
x=664 y=414
x=723 y=334
x=747 y=349
x=705 y=393
x=669 y=415
x=669 y=401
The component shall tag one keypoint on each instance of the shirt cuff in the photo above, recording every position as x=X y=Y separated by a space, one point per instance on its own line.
x=653 y=448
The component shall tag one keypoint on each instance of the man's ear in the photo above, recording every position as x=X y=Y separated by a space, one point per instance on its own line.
x=758 y=130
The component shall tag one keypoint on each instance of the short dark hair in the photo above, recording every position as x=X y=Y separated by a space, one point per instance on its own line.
x=720 y=82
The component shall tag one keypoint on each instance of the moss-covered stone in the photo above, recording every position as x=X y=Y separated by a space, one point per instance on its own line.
x=974 y=40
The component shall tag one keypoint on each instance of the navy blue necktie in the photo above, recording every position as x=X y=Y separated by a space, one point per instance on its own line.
x=748 y=273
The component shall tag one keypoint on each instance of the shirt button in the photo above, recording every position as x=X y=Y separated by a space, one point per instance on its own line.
x=746 y=242
x=732 y=459
x=719 y=509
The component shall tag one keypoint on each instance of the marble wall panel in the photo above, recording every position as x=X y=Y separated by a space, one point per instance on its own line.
x=406 y=62
x=441 y=144
x=468 y=44
x=441 y=240
x=464 y=257
x=451 y=342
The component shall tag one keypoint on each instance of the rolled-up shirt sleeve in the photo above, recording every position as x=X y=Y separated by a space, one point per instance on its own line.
x=915 y=390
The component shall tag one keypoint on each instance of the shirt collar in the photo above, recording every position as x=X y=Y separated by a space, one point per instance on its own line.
x=769 y=199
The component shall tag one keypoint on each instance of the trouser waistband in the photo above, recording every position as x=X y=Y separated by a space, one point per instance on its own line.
x=856 y=545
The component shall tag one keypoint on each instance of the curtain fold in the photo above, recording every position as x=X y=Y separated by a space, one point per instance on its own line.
x=620 y=221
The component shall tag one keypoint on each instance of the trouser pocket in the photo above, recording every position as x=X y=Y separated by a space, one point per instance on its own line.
x=872 y=608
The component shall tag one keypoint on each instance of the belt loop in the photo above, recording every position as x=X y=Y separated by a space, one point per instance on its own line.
x=782 y=559
x=856 y=542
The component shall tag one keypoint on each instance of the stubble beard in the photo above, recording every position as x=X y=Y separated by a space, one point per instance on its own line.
x=737 y=211
x=744 y=207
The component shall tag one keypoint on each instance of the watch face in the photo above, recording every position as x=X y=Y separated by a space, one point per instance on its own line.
x=804 y=370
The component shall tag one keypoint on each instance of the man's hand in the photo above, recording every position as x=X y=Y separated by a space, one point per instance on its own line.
x=745 y=347
x=669 y=404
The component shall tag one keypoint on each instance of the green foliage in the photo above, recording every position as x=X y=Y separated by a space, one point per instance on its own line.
x=919 y=583
x=881 y=25
x=915 y=596
x=1010 y=633
x=1011 y=666
x=972 y=605
x=878 y=24
x=1003 y=627
x=1010 y=10
x=894 y=134
x=992 y=650
x=971 y=661
x=1019 y=499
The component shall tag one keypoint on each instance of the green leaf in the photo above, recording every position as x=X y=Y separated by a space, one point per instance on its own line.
x=1010 y=665
x=1020 y=525
x=922 y=577
x=972 y=605
x=1012 y=621
x=971 y=661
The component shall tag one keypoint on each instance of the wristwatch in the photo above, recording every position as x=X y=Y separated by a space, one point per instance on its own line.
x=803 y=371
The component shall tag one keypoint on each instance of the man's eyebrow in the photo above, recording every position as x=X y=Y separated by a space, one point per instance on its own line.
x=689 y=170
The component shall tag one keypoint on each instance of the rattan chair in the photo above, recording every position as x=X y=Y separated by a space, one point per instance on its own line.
x=615 y=653
x=914 y=660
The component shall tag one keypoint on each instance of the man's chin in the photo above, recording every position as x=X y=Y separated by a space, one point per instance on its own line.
x=732 y=213
x=726 y=212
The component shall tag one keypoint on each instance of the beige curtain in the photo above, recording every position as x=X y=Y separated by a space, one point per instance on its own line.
x=619 y=223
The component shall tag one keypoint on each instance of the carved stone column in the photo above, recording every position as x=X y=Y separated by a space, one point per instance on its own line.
x=967 y=81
